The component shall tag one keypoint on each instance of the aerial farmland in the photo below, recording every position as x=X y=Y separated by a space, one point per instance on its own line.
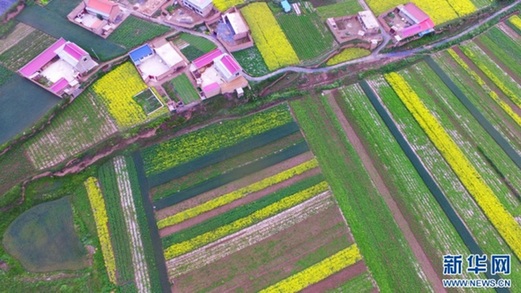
x=272 y=146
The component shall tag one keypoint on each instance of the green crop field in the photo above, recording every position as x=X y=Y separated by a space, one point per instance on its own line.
x=251 y=61
x=26 y=49
x=342 y=8
x=5 y=75
x=83 y=124
x=62 y=7
x=19 y=32
x=482 y=230
x=43 y=238
x=504 y=48
x=135 y=31
x=58 y=26
x=380 y=240
x=315 y=41
x=197 y=46
x=410 y=191
x=184 y=89
x=148 y=101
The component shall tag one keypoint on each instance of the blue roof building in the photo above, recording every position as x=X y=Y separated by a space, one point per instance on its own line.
x=286 y=6
x=139 y=54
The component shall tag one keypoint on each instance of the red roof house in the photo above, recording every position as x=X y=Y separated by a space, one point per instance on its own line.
x=107 y=9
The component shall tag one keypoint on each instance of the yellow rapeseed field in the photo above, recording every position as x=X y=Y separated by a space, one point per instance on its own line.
x=516 y=20
x=268 y=36
x=223 y=5
x=440 y=11
x=317 y=272
x=101 y=219
x=117 y=90
x=348 y=54
x=502 y=220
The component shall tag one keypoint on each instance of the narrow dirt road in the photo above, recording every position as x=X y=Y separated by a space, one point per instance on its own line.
x=377 y=179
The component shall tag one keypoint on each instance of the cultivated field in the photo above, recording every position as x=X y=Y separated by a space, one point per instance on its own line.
x=337 y=8
x=348 y=54
x=247 y=188
x=136 y=31
x=184 y=90
x=193 y=47
x=81 y=125
x=26 y=49
x=269 y=37
x=117 y=89
x=316 y=41
x=251 y=61
x=20 y=32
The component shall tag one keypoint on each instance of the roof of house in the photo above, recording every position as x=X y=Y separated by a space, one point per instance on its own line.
x=42 y=59
x=414 y=12
x=58 y=86
x=207 y=58
x=230 y=64
x=238 y=24
x=139 y=53
x=168 y=54
x=286 y=6
x=200 y=3
x=74 y=51
x=211 y=87
x=368 y=19
x=101 y=5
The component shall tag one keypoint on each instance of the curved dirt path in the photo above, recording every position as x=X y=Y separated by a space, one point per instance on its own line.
x=378 y=181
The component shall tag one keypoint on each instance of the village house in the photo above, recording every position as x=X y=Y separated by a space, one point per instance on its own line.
x=218 y=73
x=407 y=21
x=201 y=7
x=233 y=31
x=362 y=29
x=157 y=61
x=99 y=16
x=59 y=68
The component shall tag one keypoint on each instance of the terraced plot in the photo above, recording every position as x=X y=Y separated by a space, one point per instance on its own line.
x=19 y=32
x=26 y=49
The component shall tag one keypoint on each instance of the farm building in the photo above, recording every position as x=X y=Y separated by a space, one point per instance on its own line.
x=98 y=16
x=363 y=27
x=157 y=60
x=201 y=7
x=285 y=6
x=59 y=67
x=406 y=21
x=233 y=31
x=217 y=72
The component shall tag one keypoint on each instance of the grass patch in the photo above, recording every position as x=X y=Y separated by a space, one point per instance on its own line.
x=135 y=31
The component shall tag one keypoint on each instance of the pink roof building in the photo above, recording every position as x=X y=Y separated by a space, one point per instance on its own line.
x=39 y=61
x=206 y=59
x=422 y=23
x=227 y=67
x=59 y=86
x=107 y=9
x=211 y=89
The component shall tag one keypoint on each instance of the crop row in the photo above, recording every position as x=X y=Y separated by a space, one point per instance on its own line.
x=501 y=79
x=495 y=211
x=504 y=48
x=188 y=147
x=515 y=21
x=135 y=31
x=317 y=272
x=412 y=193
x=141 y=278
x=369 y=217
x=482 y=83
x=273 y=209
x=100 y=217
x=116 y=221
x=117 y=89
x=223 y=5
x=237 y=194
x=25 y=50
x=269 y=37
